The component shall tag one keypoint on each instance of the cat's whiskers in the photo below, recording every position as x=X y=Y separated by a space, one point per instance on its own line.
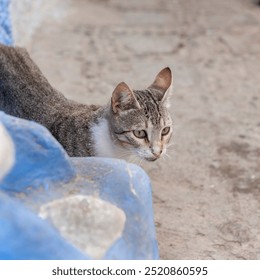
x=167 y=155
x=171 y=145
x=127 y=155
x=135 y=159
x=163 y=157
x=124 y=155
x=140 y=162
x=131 y=159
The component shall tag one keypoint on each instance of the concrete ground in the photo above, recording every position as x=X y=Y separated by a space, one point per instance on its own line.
x=207 y=194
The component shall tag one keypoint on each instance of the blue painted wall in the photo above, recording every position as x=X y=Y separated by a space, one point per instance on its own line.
x=5 y=24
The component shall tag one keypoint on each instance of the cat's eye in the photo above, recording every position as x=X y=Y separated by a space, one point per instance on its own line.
x=139 y=133
x=165 y=131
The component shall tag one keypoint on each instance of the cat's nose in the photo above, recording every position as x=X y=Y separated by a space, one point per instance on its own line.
x=156 y=151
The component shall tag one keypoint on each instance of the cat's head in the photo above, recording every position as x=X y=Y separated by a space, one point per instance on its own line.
x=140 y=121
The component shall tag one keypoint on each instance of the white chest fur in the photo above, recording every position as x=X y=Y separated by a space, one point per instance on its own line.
x=103 y=144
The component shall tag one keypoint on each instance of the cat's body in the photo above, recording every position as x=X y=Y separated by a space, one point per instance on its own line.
x=134 y=123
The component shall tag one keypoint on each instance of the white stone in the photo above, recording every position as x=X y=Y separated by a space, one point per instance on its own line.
x=89 y=223
x=7 y=154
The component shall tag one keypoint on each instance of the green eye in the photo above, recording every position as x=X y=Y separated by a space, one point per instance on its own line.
x=165 y=131
x=139 y=133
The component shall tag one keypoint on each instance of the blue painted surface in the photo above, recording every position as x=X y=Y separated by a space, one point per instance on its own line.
x=128 y=187
x=23 y=235
x=5 y=24
x=39 y=159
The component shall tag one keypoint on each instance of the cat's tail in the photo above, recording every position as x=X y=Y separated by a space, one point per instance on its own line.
x=24 y=91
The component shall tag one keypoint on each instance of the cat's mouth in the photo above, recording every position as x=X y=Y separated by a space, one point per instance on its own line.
x=152 y=159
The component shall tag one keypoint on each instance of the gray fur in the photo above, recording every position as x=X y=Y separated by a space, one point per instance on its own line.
x=26 y=93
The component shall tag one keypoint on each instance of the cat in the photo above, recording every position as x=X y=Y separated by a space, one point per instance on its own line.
x=134 y=124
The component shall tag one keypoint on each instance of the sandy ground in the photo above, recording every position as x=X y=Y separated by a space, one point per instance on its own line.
x=207 y=194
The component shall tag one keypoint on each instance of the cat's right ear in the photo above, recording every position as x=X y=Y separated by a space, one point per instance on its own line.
x=123 y=98
x=163 y=83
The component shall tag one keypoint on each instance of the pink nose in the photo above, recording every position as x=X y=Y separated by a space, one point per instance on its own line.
x=156 y=152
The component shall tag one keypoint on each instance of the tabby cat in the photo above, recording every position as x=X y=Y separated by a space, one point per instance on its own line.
x=135 y=123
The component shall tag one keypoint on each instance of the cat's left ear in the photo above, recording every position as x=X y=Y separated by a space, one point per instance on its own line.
x=163 y=82
x=123 y=99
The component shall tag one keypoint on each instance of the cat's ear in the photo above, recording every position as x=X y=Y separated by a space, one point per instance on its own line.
x=163 y=82
x=123 y=98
